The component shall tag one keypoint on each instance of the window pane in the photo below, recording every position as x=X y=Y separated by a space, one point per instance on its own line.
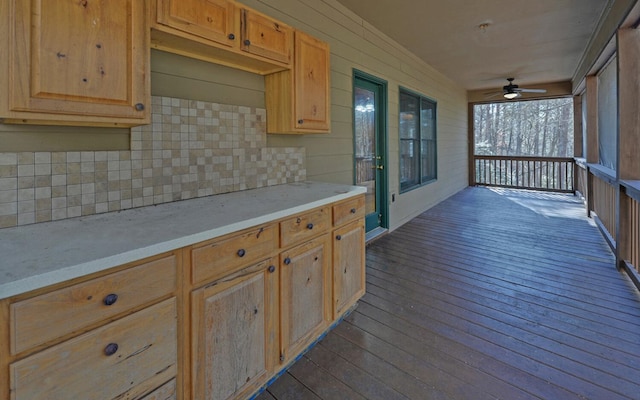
x=418 y=144
x=428 y=134
x=409 y=108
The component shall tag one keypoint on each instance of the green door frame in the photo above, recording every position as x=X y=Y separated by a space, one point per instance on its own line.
x=382 y=176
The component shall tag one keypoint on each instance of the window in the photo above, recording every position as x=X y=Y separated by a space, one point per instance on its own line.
x=418 y=149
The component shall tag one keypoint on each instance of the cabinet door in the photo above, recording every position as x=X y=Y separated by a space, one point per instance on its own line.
x=305 y=279
x=235 y=333
x=348 y=266
x=311 y=70
x=266 y=37
x=88 y=58
x=210 y=19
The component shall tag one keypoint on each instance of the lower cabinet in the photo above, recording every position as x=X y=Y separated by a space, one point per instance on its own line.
x=348 y=266
x=305 y=295
x=235 y=334
x=123 y=359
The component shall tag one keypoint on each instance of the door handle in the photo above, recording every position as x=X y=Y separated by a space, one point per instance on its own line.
x=380 y=167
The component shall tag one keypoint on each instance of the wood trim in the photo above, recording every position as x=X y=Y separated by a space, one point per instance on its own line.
x=577 y=127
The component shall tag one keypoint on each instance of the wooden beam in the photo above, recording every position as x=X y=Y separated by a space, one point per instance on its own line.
x=592 y=119
x=577 y=127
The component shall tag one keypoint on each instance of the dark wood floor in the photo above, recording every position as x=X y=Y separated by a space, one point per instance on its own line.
x=493 y=294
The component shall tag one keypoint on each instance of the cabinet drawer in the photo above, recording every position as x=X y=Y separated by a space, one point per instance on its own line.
x=164 y=392
x=46 y=317
x=304 y=226
x=348 y=210
x=220 y=257
x=106 y=363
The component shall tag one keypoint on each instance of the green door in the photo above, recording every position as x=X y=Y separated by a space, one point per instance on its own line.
x=370 y=137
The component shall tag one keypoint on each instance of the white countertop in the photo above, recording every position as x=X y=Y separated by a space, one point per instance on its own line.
x=35 y=256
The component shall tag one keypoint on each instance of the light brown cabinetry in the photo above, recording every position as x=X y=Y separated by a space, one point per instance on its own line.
x=214 y=20
x=348 y=254
x=348 y=271
x=113 y=336
x=217 y=319
x=297 y=100
x=219 y=257
x=75 y=62
x=223 y=32
x=235 y=333
x=123 y=359
x=305 y=295
x=266 y=37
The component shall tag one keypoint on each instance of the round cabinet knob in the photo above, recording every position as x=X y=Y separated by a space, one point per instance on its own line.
x=110 y=299
x=339 y=237
x=300 y=121
x=139 y=107
x=247 y=42
x=309 y=226
x=241 y=253
x=231 y=36
x=271 y=269
x=353 y=211
x=110 y=349
x=287 y=261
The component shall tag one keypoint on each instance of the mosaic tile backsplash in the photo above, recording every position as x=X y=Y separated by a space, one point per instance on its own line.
x=191 y=149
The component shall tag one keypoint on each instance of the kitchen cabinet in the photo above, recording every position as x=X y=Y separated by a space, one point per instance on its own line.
x=348 y=270
x=217 y=318
x=235 y=333
x=219 y=257
x=298 y=100
x=223 y=32
x=266 y=37
x=305 y=295
x=348 y=254
x=110 y=336
x=75 y=62
x=214 y=20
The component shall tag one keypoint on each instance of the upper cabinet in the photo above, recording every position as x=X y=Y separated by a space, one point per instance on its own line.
x=80 y=62
x=214 y=20
x=223 y=32
x=297 y=100
x=266 y=37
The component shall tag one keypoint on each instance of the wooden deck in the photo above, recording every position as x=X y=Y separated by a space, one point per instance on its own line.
x=493 y=294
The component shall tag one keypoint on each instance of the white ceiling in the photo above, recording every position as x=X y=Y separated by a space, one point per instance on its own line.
x=534 y=41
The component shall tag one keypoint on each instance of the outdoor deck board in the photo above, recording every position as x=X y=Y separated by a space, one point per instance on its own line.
x=492 y=294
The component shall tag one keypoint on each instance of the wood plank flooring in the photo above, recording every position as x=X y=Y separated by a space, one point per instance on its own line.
x=492 y=294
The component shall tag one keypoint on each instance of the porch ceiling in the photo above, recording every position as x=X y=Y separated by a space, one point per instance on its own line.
x=537 y=41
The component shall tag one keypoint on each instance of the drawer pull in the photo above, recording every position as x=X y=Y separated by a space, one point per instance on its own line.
x=231 y=36
x=111 y=349
x=339 y=237
x=247 y=42
x=241 y=253
x=272 y=269
x=353 y=211
x=309 y=226
x=287 y=261
x=110 y=299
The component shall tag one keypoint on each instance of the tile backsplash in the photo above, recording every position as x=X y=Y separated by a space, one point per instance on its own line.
x=191 y=149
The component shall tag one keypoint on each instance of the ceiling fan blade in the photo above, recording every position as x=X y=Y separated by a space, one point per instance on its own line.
x=531 y=90
x=491 y=95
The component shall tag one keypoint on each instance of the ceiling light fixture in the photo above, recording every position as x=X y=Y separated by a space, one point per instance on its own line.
x=511 y=95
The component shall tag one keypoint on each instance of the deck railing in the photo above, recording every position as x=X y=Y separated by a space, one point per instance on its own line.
x=604 y=203
x=630 y=224
x=536 y=173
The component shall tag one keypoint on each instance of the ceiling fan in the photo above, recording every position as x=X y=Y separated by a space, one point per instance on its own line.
x=513 y=91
